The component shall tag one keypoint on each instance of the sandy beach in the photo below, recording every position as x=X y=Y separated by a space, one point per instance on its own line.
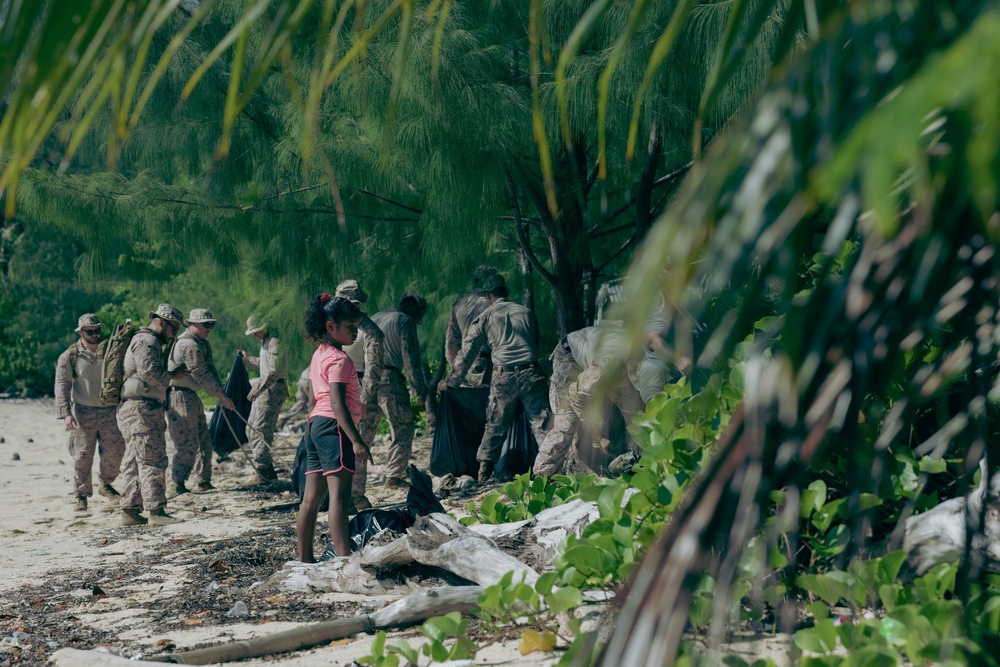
x=80 y=580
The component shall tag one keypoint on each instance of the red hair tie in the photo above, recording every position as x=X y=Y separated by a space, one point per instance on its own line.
x=324 y=297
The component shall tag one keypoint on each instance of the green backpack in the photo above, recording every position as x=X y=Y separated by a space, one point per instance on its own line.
x=113 y=368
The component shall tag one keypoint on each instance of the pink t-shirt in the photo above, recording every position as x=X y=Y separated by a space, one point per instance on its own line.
x=330 y=364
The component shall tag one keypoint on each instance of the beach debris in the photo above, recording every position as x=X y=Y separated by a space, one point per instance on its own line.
x=239 y=610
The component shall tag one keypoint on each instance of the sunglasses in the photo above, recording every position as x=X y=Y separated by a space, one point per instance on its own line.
x=207 y=325
x=91 y=332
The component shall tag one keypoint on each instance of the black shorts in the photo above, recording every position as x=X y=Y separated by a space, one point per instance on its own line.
x=327 y=449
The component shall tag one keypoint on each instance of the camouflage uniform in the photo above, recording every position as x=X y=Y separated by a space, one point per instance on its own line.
x=303 y=399
x=78 y=392
x=142 y=422
x=510 y=332
x=654 y=373
x=595 y=350
x=367 y=353
x=272 y=390
x=186 y=414
x=401 y=350
x=463 y=313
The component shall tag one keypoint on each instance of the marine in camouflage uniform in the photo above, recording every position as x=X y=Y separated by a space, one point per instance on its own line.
x=303 y=400
x=510 y=332
x=268 y=397
x=186 y=413
x=367 y=353
x=463 y=313
x=402 y=352
x=89 y=421
x=142 y=421
x=583 y=360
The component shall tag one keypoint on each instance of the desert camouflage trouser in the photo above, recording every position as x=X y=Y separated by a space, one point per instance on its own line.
x=564 y=372
x=394 y=402
x=371 y=415
x=189 y=431
x=578 y=413
x=98 y=431
x=263 y=418
x=144 y=468
x=506 y=388
x=479 y=373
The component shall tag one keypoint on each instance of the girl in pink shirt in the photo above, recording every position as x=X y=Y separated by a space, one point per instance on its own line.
x=332 y=441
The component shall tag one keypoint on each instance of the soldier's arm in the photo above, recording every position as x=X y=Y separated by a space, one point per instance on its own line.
x=373 y=359
x=475 y=339
x=197 y=364
x=411 y=359
x=149 y=366
x=252 y=362
x=64 y=386
x=272 y=353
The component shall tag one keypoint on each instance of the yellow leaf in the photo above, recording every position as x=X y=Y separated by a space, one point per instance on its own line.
x=532 y=640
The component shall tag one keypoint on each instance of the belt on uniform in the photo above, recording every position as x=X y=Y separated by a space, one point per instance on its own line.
x=519 y=367
x=177 y=388
x=151 y=401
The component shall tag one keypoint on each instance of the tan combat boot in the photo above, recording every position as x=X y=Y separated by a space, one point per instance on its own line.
x=485 y=470
x=133 y=517
x=161 y=518
x=108 y=491
x=204 y=487
x=81 y=504
x=396 y=483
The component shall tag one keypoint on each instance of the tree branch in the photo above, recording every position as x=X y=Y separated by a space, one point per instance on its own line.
x=521 y=235
x=391 y=201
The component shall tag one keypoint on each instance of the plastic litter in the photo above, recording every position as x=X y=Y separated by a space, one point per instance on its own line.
x=239 y=610
x=237 y=387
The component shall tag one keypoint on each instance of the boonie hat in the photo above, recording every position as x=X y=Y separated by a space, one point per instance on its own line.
x=491 y=282
x=254 y=325
x=88 y=320
x=351 y=290
x=200 y=315
x=167 y=312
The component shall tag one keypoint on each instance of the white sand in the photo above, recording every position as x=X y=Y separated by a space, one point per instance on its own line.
x=42 y=537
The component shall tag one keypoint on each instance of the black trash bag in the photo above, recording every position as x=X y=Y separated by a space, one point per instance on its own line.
x=420 y=500
x=367 y=524
x=519 y=449
x=237 y=387
x=461 y=421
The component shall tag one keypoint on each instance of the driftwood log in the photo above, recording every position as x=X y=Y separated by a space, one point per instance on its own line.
x=411 y=609
x=436 y=540
x=938 y=535
x=543 y=533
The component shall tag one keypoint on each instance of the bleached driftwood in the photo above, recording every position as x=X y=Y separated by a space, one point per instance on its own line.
x=544 y=532
x=436 y=540
x=340 y=575
x=440 y=541
x=938 y=535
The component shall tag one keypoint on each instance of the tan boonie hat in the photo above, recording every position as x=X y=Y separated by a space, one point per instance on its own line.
x=491 y=282
x=88 y=320
x=200 y=315
x=351 y=290
x=167 y=312
x=254 y=325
